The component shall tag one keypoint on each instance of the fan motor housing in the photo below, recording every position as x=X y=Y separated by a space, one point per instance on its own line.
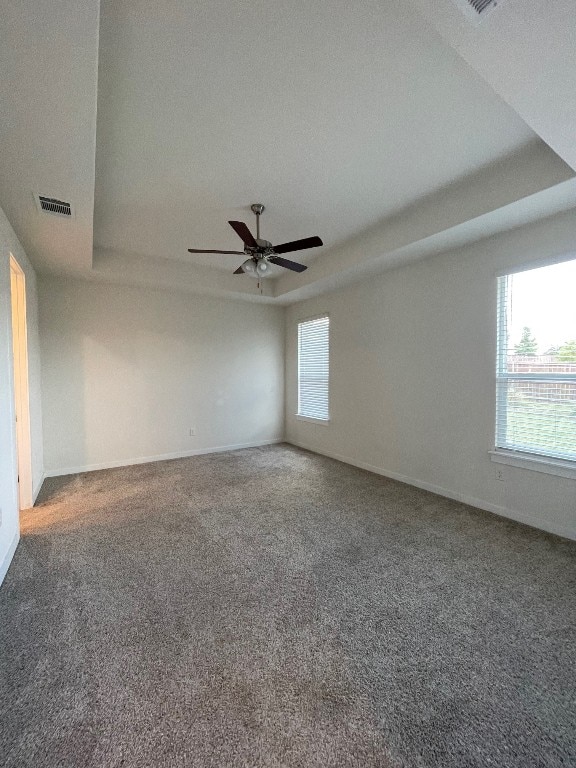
x=264 y=249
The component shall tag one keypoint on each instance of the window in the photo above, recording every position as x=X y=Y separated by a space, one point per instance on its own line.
x=313 y=368
x=536 y=364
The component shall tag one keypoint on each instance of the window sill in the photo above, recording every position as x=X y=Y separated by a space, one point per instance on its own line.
x=536 y=463
x=322 y=422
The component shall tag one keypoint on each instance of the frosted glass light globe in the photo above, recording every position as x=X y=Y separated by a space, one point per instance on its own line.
x=250 y=268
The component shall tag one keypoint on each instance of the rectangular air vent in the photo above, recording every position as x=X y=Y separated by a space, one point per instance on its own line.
x=475 y=9
x=53 y=206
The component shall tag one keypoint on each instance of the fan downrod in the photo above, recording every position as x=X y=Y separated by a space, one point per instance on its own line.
x=257 y=209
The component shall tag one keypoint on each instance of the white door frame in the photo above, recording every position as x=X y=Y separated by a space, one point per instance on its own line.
x=21 y=395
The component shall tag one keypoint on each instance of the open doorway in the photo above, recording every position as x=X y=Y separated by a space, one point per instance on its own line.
x=21 y=397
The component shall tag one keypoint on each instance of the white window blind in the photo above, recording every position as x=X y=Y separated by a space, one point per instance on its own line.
x=313 y=368
x=536 y=362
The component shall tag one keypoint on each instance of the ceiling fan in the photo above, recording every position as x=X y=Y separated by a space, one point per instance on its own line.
x=261 y=253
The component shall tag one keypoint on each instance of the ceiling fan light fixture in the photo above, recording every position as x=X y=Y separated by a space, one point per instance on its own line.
x=250 y=268
x=261 y=252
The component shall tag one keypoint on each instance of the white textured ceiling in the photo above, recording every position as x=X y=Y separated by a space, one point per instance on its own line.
x=334 y=114
x=380 y=126
x=526 y=51
x=48 y=85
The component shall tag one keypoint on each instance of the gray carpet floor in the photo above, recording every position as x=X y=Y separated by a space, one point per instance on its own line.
x=271 y=607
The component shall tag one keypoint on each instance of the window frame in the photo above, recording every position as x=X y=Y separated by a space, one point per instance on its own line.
x=299 y=416
x=515 y=455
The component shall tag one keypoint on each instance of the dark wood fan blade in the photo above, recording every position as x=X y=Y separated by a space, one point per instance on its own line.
x=195 y=250
x=298 y=245
x=293 y=265
x=242 y=231
x=239 y=271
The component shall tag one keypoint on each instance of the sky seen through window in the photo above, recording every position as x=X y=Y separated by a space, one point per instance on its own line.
x=544 y=300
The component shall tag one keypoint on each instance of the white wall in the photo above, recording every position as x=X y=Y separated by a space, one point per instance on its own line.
x=127 y=371
x=9 y=526
x=412 y=377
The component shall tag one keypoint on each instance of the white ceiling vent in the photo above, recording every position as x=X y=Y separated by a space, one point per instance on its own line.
x=476 y=9
x=53 y=206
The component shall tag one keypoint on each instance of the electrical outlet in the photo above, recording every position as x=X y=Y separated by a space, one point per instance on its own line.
x=500 y=475
x=192 y=431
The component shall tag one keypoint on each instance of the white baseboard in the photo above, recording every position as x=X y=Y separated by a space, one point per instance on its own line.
x=160 y=457
x=5 y=564
x=511 y=514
